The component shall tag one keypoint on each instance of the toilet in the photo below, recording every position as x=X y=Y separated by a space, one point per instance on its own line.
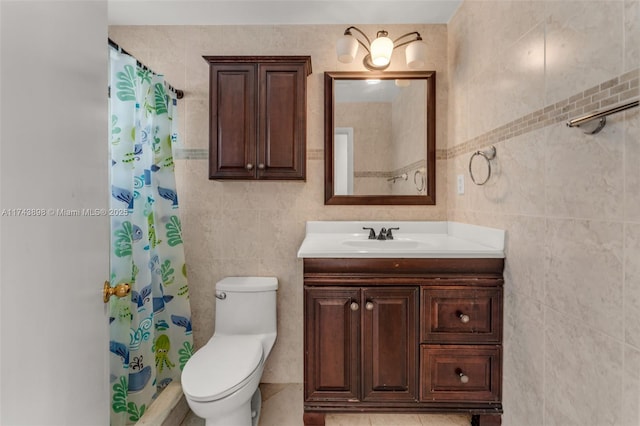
x=220 y=381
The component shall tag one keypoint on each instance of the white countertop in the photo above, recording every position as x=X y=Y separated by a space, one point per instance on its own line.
x=347 y=239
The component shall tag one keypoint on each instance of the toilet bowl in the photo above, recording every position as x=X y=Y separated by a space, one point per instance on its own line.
x=220 y=381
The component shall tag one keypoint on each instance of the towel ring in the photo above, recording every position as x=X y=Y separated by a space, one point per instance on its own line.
x=488 y=155
x=422 y=182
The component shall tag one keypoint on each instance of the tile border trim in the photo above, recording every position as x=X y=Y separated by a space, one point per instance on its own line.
x=619 y=89
x=190 y=154
x=610 y=92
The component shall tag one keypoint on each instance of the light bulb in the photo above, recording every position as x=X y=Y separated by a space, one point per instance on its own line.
x=416 y=54
x=381 y=49
x=346 y=48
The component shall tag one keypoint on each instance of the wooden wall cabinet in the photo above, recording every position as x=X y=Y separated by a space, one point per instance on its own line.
x=403 y=335
x=257 y=123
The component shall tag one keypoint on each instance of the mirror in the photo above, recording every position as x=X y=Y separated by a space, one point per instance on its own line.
x=380 y=137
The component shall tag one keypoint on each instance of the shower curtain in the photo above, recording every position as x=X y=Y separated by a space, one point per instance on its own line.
x=150 y=330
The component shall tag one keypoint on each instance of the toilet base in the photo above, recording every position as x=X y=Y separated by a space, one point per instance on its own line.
x=239 y=417
x=256 y=406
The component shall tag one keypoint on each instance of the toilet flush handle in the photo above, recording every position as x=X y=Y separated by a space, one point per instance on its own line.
x=221 y=295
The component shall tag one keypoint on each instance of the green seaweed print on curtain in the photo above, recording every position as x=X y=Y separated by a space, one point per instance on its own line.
x=150 y=331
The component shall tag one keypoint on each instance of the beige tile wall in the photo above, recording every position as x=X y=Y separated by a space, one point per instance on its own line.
x=570 y=202
x=255 y=228
x=371 y=124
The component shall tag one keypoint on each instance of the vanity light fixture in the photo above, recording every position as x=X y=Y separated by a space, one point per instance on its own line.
x=380 y=49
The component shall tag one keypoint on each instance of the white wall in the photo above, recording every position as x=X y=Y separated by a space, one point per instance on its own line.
x=53 y=154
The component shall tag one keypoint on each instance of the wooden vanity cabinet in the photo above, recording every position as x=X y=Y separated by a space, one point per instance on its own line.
x=361 y=343
x=257 y=124
x=403 y=335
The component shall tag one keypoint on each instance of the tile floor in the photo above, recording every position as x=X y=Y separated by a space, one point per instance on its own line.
x=282 y=406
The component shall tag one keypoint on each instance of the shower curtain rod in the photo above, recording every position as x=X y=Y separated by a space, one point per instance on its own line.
x=179 y=93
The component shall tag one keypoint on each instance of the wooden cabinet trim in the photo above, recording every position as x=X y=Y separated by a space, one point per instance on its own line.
x=253 y=59
x=422 y=267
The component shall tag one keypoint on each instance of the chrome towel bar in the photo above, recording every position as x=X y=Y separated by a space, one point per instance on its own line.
x=601 y=116
x=395 y=178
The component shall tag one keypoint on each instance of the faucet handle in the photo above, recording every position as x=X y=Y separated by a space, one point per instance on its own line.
x=372 y=233
x=390 y=234
x=383 y=234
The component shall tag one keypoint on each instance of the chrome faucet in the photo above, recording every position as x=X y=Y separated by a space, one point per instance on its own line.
x=385 y=234
x=372 y=233
x=390 y=234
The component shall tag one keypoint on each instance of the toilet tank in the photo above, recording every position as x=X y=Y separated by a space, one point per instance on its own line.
x=246 y=305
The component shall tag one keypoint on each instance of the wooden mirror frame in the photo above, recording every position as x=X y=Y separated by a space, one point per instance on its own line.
x=429 y=198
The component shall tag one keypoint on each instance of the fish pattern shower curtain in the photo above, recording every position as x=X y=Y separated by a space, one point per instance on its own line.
x=150 y=330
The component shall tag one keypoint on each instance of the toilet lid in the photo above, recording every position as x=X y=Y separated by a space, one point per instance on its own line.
x=221 y=367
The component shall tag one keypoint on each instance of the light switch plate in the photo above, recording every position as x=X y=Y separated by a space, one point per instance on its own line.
x=460 y=184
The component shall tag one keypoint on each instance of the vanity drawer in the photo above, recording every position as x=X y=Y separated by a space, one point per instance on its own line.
x=461 y=315
x=470 y=373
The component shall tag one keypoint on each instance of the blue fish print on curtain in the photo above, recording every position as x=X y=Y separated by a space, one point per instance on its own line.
x=150 y=330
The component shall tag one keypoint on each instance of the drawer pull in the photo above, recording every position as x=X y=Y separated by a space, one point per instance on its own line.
x=354 y=306
x=249 y=166
x=464 y=318
x=369 y=306
x=463 y=377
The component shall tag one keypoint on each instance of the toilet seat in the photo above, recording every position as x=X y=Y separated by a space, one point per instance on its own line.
x=221 y=367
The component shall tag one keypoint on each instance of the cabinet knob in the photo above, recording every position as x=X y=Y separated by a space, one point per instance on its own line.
x=464 y=318
x=463 y=377
x=249 y=166
x=369 y=306
x=261 y=166
x=354 y=306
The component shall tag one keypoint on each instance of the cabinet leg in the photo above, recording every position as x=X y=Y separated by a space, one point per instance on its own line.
x=486 y=420
x=313 y=419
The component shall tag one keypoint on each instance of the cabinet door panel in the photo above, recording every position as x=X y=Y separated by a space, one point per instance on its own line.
x=233 y=116
x=282 y=121
x=331 y=344
x=390 y=344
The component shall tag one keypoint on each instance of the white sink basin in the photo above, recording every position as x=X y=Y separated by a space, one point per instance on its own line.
x=382 y=244
x=348 y=239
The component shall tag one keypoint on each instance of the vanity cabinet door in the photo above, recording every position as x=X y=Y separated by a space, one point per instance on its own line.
x=389 y=344
x=332 y=344
x=282 y=128
x=232 y=125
